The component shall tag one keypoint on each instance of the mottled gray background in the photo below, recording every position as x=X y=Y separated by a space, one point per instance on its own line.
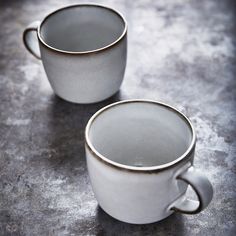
x=180 y=52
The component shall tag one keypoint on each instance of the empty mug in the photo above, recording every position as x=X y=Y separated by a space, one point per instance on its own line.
x=140 y=162
x=83 y=50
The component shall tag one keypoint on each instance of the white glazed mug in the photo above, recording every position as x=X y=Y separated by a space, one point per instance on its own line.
x=140 y=162
x=83 y=49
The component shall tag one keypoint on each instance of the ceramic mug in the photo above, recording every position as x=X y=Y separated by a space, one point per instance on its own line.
x=83 y=49
x=140 y=162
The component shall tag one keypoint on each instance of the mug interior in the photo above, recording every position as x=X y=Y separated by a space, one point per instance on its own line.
x=82 y=28
x=141 y=134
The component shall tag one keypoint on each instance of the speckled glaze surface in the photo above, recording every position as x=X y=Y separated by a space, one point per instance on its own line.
x=180 y=52
x=87 y=75
x=137 y=151
x=131 y=197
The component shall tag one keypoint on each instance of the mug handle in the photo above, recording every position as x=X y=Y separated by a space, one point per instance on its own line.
x=202 y=187
x=29 y=41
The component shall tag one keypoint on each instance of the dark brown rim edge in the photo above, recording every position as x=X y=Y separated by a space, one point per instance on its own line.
x=152 y=169
x=84 y=52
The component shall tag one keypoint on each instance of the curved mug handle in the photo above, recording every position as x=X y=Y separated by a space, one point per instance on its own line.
x=29 y=39
x=202 y=187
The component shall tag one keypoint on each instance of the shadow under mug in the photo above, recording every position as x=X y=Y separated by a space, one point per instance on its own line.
x=140 y=162
x=83 y=50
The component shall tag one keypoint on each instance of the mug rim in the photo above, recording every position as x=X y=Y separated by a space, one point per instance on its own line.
x=106 y=160
x=88 y=51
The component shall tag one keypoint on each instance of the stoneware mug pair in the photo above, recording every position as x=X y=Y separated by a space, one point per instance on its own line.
x=139 y=152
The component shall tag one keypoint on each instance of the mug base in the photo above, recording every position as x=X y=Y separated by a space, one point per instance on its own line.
x=87 y=102
x=139 y=221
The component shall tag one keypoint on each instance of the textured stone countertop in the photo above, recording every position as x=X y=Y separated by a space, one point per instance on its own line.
x=180 y=52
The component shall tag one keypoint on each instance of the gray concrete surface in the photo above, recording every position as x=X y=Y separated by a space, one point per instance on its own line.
x=180 y=52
